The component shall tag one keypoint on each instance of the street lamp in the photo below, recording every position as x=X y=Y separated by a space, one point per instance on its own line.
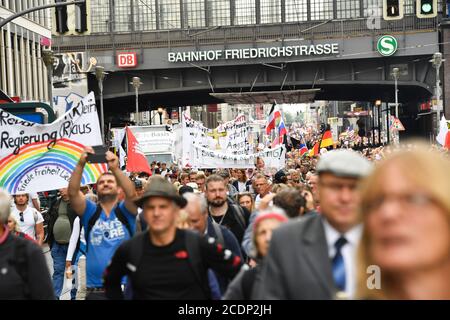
x=160 y=111
x=136 y=84
x=48 y=58
x=100 y=75
x=437 y=62
x=396 y=74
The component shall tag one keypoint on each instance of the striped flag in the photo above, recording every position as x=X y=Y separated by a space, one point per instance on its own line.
x=303 y=149
x=327 y=139
x=274 y=115
x=314 y=150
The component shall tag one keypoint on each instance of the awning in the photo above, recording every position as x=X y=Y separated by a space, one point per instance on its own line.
x=4 y=96
x=285 y=96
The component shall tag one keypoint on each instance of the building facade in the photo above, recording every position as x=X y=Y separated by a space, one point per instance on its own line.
x=22 y=71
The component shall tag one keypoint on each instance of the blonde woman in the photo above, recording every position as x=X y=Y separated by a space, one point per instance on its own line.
x=14 y=228
x=406 y=239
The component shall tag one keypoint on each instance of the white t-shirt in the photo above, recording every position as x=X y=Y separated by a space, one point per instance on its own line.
x=31 y=217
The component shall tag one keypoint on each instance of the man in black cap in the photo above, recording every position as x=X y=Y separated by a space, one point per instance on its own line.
x=165 y=262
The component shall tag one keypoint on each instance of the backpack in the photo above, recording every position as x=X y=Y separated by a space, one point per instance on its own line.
x=218 y=232
x=20 y=263
x=119 y=214
x=193 y=248
x=239 y=214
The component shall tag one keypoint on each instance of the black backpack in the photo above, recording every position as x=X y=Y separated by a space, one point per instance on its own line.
x=20 y=263
x=119 y=214
x=192 y=246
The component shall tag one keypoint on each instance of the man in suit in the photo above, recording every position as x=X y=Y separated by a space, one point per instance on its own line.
x=314 y=257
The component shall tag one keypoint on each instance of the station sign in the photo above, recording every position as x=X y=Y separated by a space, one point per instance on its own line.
x=255 y=53
x=127 y=60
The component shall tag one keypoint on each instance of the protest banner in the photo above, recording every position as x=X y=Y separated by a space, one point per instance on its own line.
x=43 y=166
x=36 y=158
x=79 y=124
x=227 y=146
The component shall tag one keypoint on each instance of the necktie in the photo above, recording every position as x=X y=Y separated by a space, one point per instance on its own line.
x=338 y=264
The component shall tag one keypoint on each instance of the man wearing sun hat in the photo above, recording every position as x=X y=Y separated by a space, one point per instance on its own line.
x=319 y=262
x=165 y=262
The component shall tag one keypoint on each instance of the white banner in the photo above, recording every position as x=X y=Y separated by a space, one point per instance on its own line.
x=36 y=157
x=152 y=141
x=227 y=146
x=80 y=124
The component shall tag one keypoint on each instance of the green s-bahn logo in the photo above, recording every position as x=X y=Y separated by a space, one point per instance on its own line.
x=387 y=45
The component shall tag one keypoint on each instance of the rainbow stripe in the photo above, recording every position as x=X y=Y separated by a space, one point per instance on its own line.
x=63 y=153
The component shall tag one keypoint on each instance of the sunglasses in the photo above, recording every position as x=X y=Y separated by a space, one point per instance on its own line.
x=21 y=217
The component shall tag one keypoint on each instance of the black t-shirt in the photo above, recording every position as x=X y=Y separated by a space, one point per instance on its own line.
x=165 y=272
x=230 y=221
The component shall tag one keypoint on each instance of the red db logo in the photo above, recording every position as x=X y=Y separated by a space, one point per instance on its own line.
x=127 y=60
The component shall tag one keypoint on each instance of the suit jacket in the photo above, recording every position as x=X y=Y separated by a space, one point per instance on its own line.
x=297 y=266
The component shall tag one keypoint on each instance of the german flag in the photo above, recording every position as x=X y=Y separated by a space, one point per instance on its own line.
x=327 y=139
x=315 y=150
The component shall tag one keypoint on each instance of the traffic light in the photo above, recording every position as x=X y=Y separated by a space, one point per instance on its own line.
x=61 y=18
x=72 y=19
x=81 y=18
x=393 y=9
x=426 y=8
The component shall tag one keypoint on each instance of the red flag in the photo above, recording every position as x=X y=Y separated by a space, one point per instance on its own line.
x=137 y=162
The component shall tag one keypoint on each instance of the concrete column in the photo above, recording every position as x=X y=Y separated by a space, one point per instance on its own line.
x=9 y=63
x=35 y=69
x=41 y=75
x=17 y=73
x=23 y=68
x=28 y=66
x=3 y=61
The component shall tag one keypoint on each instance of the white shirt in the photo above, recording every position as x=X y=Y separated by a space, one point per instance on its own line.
x=349 y=251
x=31 y=217
x=241 y=186
x=258 y=200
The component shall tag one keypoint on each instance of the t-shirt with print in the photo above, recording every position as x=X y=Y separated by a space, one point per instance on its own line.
x=105 y=236
x=31 y=217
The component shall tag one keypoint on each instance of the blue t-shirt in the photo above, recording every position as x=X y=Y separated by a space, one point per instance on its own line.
x=105 y=237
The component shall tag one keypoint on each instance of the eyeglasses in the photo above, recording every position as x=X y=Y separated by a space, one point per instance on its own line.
x=410 y=201
x=21 y=217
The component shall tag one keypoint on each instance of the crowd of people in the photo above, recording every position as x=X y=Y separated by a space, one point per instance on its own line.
x=317 y=229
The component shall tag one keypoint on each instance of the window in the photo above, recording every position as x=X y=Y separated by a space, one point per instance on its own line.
x=194 y=13
x=410 y=6
x=321 y=9
x=296 y=10
x=347 y=9
x=100 y=16
x=169 y=14
x=122 y=16
x=144 y=15
x=245 y=12
x=219 y=12
x=270 y=11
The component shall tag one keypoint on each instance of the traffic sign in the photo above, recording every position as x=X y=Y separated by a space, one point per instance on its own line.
x=387 y=45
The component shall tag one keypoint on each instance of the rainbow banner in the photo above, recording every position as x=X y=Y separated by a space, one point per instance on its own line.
x=44 y=166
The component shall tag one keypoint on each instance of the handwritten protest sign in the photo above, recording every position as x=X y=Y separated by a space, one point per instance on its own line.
x=79 y=124
x=36 y=158
x=227 y=146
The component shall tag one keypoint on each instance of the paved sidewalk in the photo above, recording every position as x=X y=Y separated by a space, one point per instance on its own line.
x=81 y=274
